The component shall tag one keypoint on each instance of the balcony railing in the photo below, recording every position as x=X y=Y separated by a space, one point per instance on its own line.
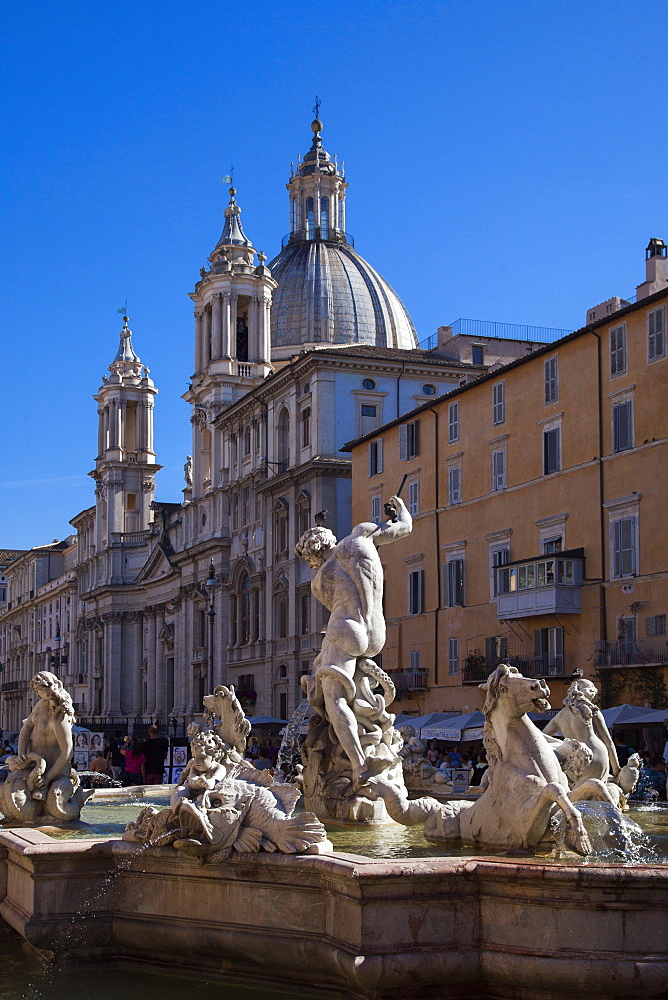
x=541 y=586
x=559 y=665
x=409 y=680
x=14 y=686
x=128 y=537
x=631 y=652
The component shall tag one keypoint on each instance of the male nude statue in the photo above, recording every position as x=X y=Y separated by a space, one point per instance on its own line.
x=348 y=581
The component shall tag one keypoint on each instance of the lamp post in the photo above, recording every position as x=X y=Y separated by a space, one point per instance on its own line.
x=211 y=585
x=55 y=659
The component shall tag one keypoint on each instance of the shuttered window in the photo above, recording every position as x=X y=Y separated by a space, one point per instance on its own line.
x=551 y=451
x=453 y=656
x=624 y=547
x=498 y=470
x=622 y=430
x=455 y=485
x=409 y=440
x=375 y=510
x=375 y=457
x=656 y=334
x=499 y=403
x=656 y=625
x=415 y=592
x=453 y=422
x=414 y=498
x=551 y=381
x=454 y=583
x=617 y=350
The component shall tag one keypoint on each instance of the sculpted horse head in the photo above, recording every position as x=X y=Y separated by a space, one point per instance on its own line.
x=511 y=695
x=514 y=695
x=234 y=727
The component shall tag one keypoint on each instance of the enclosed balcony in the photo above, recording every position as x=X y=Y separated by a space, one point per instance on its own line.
x=544 y=585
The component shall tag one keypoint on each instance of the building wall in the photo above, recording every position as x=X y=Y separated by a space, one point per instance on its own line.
x=594 y=486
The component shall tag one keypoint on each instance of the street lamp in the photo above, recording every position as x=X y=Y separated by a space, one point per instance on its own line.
x=55 y=659
x=211 y=585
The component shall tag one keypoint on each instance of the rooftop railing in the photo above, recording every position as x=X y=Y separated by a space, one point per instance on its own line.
x=326 y=234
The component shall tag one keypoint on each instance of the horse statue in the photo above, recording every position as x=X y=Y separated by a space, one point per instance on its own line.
x=233 y=727
x=526 y=787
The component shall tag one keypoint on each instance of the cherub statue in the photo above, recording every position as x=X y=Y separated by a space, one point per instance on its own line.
x=222 y=803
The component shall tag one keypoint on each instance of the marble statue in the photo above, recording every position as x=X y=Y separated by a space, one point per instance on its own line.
x=41 y=781
x=351 y=738
x=188 y=471
x=525 y=786
x=223 y=804
x=581 y=719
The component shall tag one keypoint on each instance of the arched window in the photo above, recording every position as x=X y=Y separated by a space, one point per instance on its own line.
x=283 y=440
x=282 y=672
x=309 y=218
x=324 y=218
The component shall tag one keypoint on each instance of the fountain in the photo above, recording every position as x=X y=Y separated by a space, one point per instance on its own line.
x=210 y=884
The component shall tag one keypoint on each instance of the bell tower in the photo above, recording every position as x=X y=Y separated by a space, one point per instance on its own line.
x=232 y=340
x=125 y=466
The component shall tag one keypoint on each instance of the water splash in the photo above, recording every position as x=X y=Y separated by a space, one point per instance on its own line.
x=615 y=838
x=290 y=754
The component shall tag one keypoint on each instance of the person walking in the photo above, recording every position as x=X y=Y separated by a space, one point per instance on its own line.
x=114 y=757
x=135 y=762
x=155 y=751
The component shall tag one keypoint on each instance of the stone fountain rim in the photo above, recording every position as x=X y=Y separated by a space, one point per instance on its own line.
x=34 y=844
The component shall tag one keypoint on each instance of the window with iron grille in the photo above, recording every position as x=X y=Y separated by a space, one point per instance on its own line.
x=415 y=592
x=656 y=334
x=453 y=422
x=499 y=403
x=622 y=426
x=453 y=656
x=551 y=381
x=617 y=350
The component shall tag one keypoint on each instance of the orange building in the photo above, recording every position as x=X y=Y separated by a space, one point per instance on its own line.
x=538 y=493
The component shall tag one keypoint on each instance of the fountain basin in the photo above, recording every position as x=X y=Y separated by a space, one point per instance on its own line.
x=419 y=928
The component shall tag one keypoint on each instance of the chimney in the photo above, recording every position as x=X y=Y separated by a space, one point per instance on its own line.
x=656 y=256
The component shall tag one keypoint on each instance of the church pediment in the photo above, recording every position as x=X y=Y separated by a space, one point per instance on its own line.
x=156 y=567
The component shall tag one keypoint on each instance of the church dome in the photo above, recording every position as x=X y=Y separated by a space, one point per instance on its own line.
x=327 y=294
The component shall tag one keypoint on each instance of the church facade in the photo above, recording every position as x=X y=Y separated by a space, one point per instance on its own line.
x=291 y=360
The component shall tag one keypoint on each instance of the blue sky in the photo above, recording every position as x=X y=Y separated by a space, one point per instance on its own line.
x=506 y=161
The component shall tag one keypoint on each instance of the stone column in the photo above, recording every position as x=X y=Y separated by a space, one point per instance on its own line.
x=138 y=646
x=113 y=636
x=233 y=325
x=159 y=666
x=226 y=346
x=208 y=326
x=198 y=341
x=101 y=420
x=216 y=309
x=150 y=663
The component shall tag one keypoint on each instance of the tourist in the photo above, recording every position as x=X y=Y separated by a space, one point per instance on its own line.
x=155 y=751
x=253 y=749
x=433 y=755
x=114 y=756
x=135 y=762
x=99 y=764
x=262 y=763
x=623 y=751
x=480 y=768
x=274 y=751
